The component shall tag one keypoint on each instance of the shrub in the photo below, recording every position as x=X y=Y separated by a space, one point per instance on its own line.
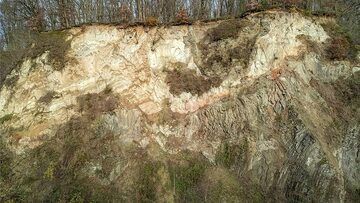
x=252 y=5
x=187 y=81
x=340 y=45
x=225 y=30
x=337 y=48
x=151 y=21
x=54 y=42
x=220 y=185
x=93 y=105
x=182 y=17
x=146 y=183
x=48 y=97
x=9 y=60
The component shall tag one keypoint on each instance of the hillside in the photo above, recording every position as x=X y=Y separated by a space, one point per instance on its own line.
x=262 y=108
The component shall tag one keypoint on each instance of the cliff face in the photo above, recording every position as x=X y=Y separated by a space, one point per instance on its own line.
x=257 y=108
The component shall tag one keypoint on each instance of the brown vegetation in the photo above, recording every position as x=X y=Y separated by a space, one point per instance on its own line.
x=9 y=60
x=48 y=97
x=337 y=48
x=243 y=51
x=311 y=46
x=185 y=80
x=151 y=21
x=217 y=59
x=225 y=30
x=93 y=105
x=182 y=17
x=341 y=93
x=54 y=42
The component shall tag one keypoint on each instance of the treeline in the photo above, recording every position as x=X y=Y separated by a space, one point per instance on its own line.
x=19 y=18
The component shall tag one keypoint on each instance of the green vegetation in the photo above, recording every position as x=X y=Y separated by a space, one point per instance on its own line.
x=60 y=170
x=147 y=181
x=5 y=161
x=186 y=174
x=220 y=185
x=230 y=154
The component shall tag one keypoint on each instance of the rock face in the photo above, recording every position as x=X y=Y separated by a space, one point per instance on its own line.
x=249 y=109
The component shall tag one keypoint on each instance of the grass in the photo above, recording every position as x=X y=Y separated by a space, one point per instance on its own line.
x=186 y=173
x=220 y=185
x=5 y=161
x=230 y=154
x=56 y=169
x=147 y=181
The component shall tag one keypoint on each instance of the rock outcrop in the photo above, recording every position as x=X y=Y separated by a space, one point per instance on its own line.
x=248 y=109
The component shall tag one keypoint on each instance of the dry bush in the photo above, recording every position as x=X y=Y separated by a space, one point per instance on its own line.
x=48 y=97
x=337 y=48
x=311 y=46
x=226 y=29
x=9 y=60
x=93 y=105
x=342 y=95
x=243 y=51
x=187 y=81
x=182 y=17
x=216 y=60
x=54 y=42
x=151 y=21
x=36 y=22
x=252 y=5
x=295 y=3
x=340 y=46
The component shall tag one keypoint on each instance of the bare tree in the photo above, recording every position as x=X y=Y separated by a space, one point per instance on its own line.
x=18 y=17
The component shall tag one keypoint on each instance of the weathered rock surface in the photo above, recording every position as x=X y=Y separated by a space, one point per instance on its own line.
x=240 y=110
